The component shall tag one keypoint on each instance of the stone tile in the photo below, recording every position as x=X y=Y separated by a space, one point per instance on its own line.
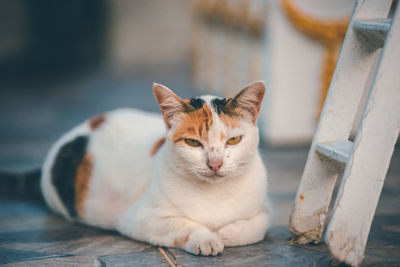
x=267 y=253
x=100 y=245
x=14 y=255
x=147 y=257
x=58 y=261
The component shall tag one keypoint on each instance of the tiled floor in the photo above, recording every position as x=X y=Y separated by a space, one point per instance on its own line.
x=33 y=117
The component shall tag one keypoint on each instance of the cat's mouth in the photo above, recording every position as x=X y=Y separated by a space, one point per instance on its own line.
x=213 y=175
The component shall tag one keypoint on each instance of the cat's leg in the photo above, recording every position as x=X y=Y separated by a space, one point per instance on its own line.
x=194 y=238
x=243 y=232
x=171 y=231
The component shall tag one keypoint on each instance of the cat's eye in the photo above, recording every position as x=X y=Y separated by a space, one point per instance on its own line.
x=192 y=142
x=234 y=140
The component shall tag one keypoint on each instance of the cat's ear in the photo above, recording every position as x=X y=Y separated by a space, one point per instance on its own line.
x=250 y=98
x=170 y=104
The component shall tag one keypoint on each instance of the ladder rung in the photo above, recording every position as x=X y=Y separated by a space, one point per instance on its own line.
x=336 y=151
x=372 y=32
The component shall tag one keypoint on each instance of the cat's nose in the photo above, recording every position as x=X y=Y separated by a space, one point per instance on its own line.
x=214 y=165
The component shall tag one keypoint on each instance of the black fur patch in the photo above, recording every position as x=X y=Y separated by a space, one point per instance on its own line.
x=197 y=103
x=194 y=104
x=220 y=105
x=64 y=170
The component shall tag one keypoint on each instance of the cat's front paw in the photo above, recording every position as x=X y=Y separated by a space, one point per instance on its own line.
x=205 y=244
x=240 y=234
x=231 y=236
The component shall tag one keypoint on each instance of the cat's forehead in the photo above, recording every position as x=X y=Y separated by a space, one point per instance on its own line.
x=199 y=101
x=217 y=104
x=205 y=115
x=207 y=98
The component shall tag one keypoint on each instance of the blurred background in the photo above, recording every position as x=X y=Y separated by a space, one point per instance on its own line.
x=64 y=61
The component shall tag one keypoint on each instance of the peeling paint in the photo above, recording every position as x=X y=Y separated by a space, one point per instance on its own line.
x=314 y=224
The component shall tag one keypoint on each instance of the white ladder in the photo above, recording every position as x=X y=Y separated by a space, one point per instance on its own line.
x=363 y=163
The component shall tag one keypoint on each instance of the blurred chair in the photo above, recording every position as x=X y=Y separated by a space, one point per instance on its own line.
x=292 y=44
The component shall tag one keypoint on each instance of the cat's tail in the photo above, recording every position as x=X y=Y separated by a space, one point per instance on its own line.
x=21 y=185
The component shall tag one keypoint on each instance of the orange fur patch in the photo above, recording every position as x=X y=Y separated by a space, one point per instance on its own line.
x=195 y=124
x=181 y=241
x=157 y=145
x=95 y=122
x=83 y=175
x=229 y=121
x=191 y=130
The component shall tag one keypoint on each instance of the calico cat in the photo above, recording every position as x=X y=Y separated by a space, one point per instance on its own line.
x=192 y=178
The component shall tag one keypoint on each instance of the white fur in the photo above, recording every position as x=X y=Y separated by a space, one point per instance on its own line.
x=169 y=199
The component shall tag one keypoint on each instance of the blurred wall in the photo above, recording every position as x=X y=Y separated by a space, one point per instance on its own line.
x=45 y=37
x=148 y=32
x=12 y=28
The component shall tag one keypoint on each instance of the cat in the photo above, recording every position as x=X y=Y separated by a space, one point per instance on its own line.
x=192 y=178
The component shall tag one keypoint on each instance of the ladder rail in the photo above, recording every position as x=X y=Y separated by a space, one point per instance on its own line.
x=319 y=177
x=368 y=164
